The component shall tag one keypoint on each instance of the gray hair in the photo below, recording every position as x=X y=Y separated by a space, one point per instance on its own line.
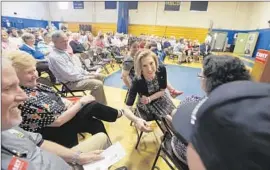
x=57 y=34
x=27 y=36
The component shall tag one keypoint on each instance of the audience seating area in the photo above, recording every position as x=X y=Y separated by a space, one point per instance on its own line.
x=104 y=53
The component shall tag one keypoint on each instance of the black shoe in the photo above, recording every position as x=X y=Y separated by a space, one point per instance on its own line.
x=122 y=168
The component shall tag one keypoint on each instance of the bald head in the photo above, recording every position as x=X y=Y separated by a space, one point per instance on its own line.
x=60 y=40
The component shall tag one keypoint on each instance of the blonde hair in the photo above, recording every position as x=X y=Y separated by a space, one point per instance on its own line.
x=21 y=60
x=138 y=59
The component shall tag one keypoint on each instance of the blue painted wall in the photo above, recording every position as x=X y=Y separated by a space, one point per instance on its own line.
x=263 y=41
x=56 y=24
x=23 y=22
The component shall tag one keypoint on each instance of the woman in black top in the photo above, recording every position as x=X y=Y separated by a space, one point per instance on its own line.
x=150 y=83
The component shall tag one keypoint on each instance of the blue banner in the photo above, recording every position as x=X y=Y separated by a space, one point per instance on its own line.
x=78 y=5
x=172 y=6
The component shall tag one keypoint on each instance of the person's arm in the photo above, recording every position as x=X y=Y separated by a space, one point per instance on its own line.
x=132 y=93
x=67 y=115
x=157 y=95
x=72 y=111
x=139 y=122
x=127 y=66
x=125 y=78
x=70 y=155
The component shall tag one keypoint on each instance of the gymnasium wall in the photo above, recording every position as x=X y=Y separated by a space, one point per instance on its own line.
x=260 y=15
x=27 y=10
x=93 y=12
x=149 y=18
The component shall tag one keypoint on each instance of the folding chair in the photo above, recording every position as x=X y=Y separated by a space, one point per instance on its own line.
x=96 y=61
x=47 y=82
x=139 y=134
x=65 y=90
x=166 y=148
x=101 y=58
x=87 y=66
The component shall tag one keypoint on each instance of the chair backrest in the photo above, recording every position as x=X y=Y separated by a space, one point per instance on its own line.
x=47 y=82
x=171 y=130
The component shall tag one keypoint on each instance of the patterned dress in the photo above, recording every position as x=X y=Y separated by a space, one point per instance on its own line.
x=178 y=147
x=42 y=107
x=159 y=107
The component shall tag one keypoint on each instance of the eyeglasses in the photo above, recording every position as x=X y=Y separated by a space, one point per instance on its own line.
x=200 y=76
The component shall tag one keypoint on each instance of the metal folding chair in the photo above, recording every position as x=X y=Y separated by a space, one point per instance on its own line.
x=139 y=134
x=166 y=148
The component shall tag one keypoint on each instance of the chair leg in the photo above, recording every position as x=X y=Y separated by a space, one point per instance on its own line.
x=155 y=161
x=168 y=163
x=138 y=140
x=106 y=69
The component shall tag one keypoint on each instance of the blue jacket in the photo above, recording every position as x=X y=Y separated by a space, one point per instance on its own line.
x=35 y=53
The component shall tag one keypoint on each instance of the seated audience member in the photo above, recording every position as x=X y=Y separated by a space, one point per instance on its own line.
x=166 y=44
x=38 y=37
x=14 y=37
x=217 y=70
x=230 y=129
x=154 y=49
x=29 y=47
x=60 y=63
x=205 y=49
x=150 y=83
x=6 y=43
x=195 y=50
x=99 y=41
x=142 y=44
x=47 y=113
x=128 y=72
x=178 y=50
x=75 y=44
x=29 y=150
x=45 y=46
x=69 y=49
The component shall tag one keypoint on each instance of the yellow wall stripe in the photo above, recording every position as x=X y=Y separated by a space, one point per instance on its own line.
x=136 y=29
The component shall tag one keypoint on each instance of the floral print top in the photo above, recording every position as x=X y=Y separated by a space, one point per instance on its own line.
x=41 y=109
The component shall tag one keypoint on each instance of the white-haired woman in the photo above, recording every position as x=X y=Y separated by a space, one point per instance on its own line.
x=150 y=83
x=29 y=47
x=56 y=118
x=76 y=45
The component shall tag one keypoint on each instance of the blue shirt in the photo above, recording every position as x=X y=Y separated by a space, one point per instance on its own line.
x=33 y=51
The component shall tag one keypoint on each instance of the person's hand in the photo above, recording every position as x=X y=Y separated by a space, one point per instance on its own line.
x=87 y=99
x=143 y=125
x=145 y=100
x=89 y=157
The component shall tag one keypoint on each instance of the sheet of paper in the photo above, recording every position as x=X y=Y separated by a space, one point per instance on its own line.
x=111 y=155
